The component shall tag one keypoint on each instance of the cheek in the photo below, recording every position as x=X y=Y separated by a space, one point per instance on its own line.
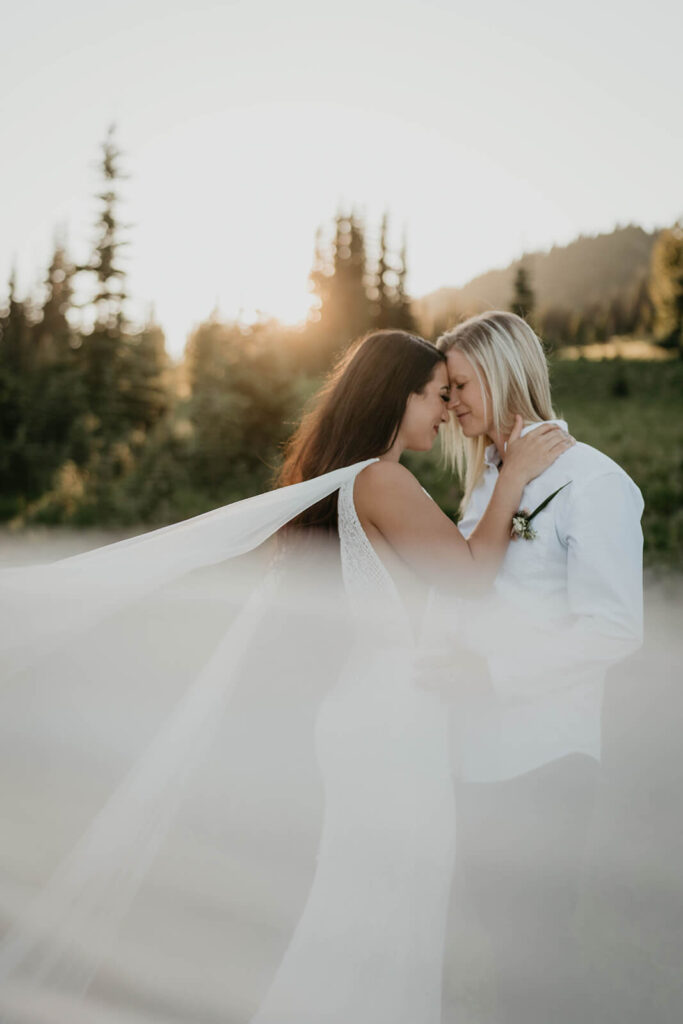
x=421 y=419
x=411 y=417
x=424 y=417
x=475 y=401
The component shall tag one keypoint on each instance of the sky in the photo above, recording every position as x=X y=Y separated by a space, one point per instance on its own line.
x=484 y=132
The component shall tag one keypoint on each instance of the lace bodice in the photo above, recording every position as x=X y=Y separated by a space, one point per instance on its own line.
x=365 y=576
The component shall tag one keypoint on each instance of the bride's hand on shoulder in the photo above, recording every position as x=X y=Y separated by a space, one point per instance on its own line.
x=527 y=457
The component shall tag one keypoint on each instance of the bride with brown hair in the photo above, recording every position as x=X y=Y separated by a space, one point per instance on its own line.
x=369 y=945
x=148 y=895
x=389 y=394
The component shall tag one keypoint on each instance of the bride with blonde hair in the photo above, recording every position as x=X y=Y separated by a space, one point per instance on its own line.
x=507 y=365
x=566 y=606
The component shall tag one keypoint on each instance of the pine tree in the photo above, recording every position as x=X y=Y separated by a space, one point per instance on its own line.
x=581 y=329
x=643 y=312
x=523 y=298
x=666 y=287
x=392 y=305
x=144 y=387
x=13 y=398
x=349 y=301
x=39 y=404
x=318 y=279
x=339 y=280
x=103 y=347
x=383 y=294
x=110 y=294
x=602 y=323
x=354 y=312
x=15 y=331
x=557 y=327
x=53 y=332
x=616 y=318
x=403 y=318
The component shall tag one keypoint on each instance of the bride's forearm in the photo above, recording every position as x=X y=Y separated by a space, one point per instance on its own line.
x=489 y=540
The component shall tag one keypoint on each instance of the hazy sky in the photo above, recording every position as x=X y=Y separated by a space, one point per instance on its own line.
x=483 y=130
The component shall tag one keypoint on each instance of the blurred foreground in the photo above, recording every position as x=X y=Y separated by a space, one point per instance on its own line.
x=184 y=909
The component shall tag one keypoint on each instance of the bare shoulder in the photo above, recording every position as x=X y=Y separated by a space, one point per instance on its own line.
x=385 y=483
x=383 y=476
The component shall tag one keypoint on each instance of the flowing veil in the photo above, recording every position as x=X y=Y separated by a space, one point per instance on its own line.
x=156 y=850
x=161 y=798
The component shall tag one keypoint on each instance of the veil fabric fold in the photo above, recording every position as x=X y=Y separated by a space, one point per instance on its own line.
x=158 y=697
x=52 y=600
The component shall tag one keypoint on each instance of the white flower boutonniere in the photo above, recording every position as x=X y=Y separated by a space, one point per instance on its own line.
x=521 y=521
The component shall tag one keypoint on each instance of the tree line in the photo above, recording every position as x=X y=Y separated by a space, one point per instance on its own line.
x=625 y=283
x=98 y=425
x=654 y=309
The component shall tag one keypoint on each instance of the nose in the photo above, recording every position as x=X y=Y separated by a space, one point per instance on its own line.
x=445 y=413
x=454 y=399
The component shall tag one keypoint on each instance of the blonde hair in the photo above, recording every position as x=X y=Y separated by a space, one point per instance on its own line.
x=512 y=371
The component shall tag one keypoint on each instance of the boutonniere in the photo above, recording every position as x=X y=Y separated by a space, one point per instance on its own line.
x=521 y=521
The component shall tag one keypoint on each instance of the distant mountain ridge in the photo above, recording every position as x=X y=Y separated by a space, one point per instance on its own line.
x=589 y=272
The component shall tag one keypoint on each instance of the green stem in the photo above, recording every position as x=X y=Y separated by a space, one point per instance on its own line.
x=547 y=501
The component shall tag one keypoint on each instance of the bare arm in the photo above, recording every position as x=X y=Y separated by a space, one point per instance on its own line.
x=390 y=499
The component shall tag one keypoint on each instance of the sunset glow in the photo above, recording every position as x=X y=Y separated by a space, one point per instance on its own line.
x=244 y=131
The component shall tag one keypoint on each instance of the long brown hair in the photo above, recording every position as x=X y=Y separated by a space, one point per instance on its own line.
x=357 y=413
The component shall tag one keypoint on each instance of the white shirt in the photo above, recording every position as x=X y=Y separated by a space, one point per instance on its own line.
x=569 y=605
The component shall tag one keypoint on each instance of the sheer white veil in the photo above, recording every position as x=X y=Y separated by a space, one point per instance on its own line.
x=136 y=812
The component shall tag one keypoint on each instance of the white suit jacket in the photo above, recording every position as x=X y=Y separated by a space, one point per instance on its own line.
x=569 y=604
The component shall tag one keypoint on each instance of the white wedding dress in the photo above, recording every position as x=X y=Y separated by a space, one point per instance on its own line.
x=368 y=948
x=159 y=806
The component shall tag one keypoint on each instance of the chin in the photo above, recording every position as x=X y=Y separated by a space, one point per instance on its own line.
x=421 y=446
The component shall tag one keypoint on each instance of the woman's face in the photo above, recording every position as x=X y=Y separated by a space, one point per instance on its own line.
x=471 y=407
x=425 y=412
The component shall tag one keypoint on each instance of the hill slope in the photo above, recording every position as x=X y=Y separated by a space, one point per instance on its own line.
x=588 y=272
